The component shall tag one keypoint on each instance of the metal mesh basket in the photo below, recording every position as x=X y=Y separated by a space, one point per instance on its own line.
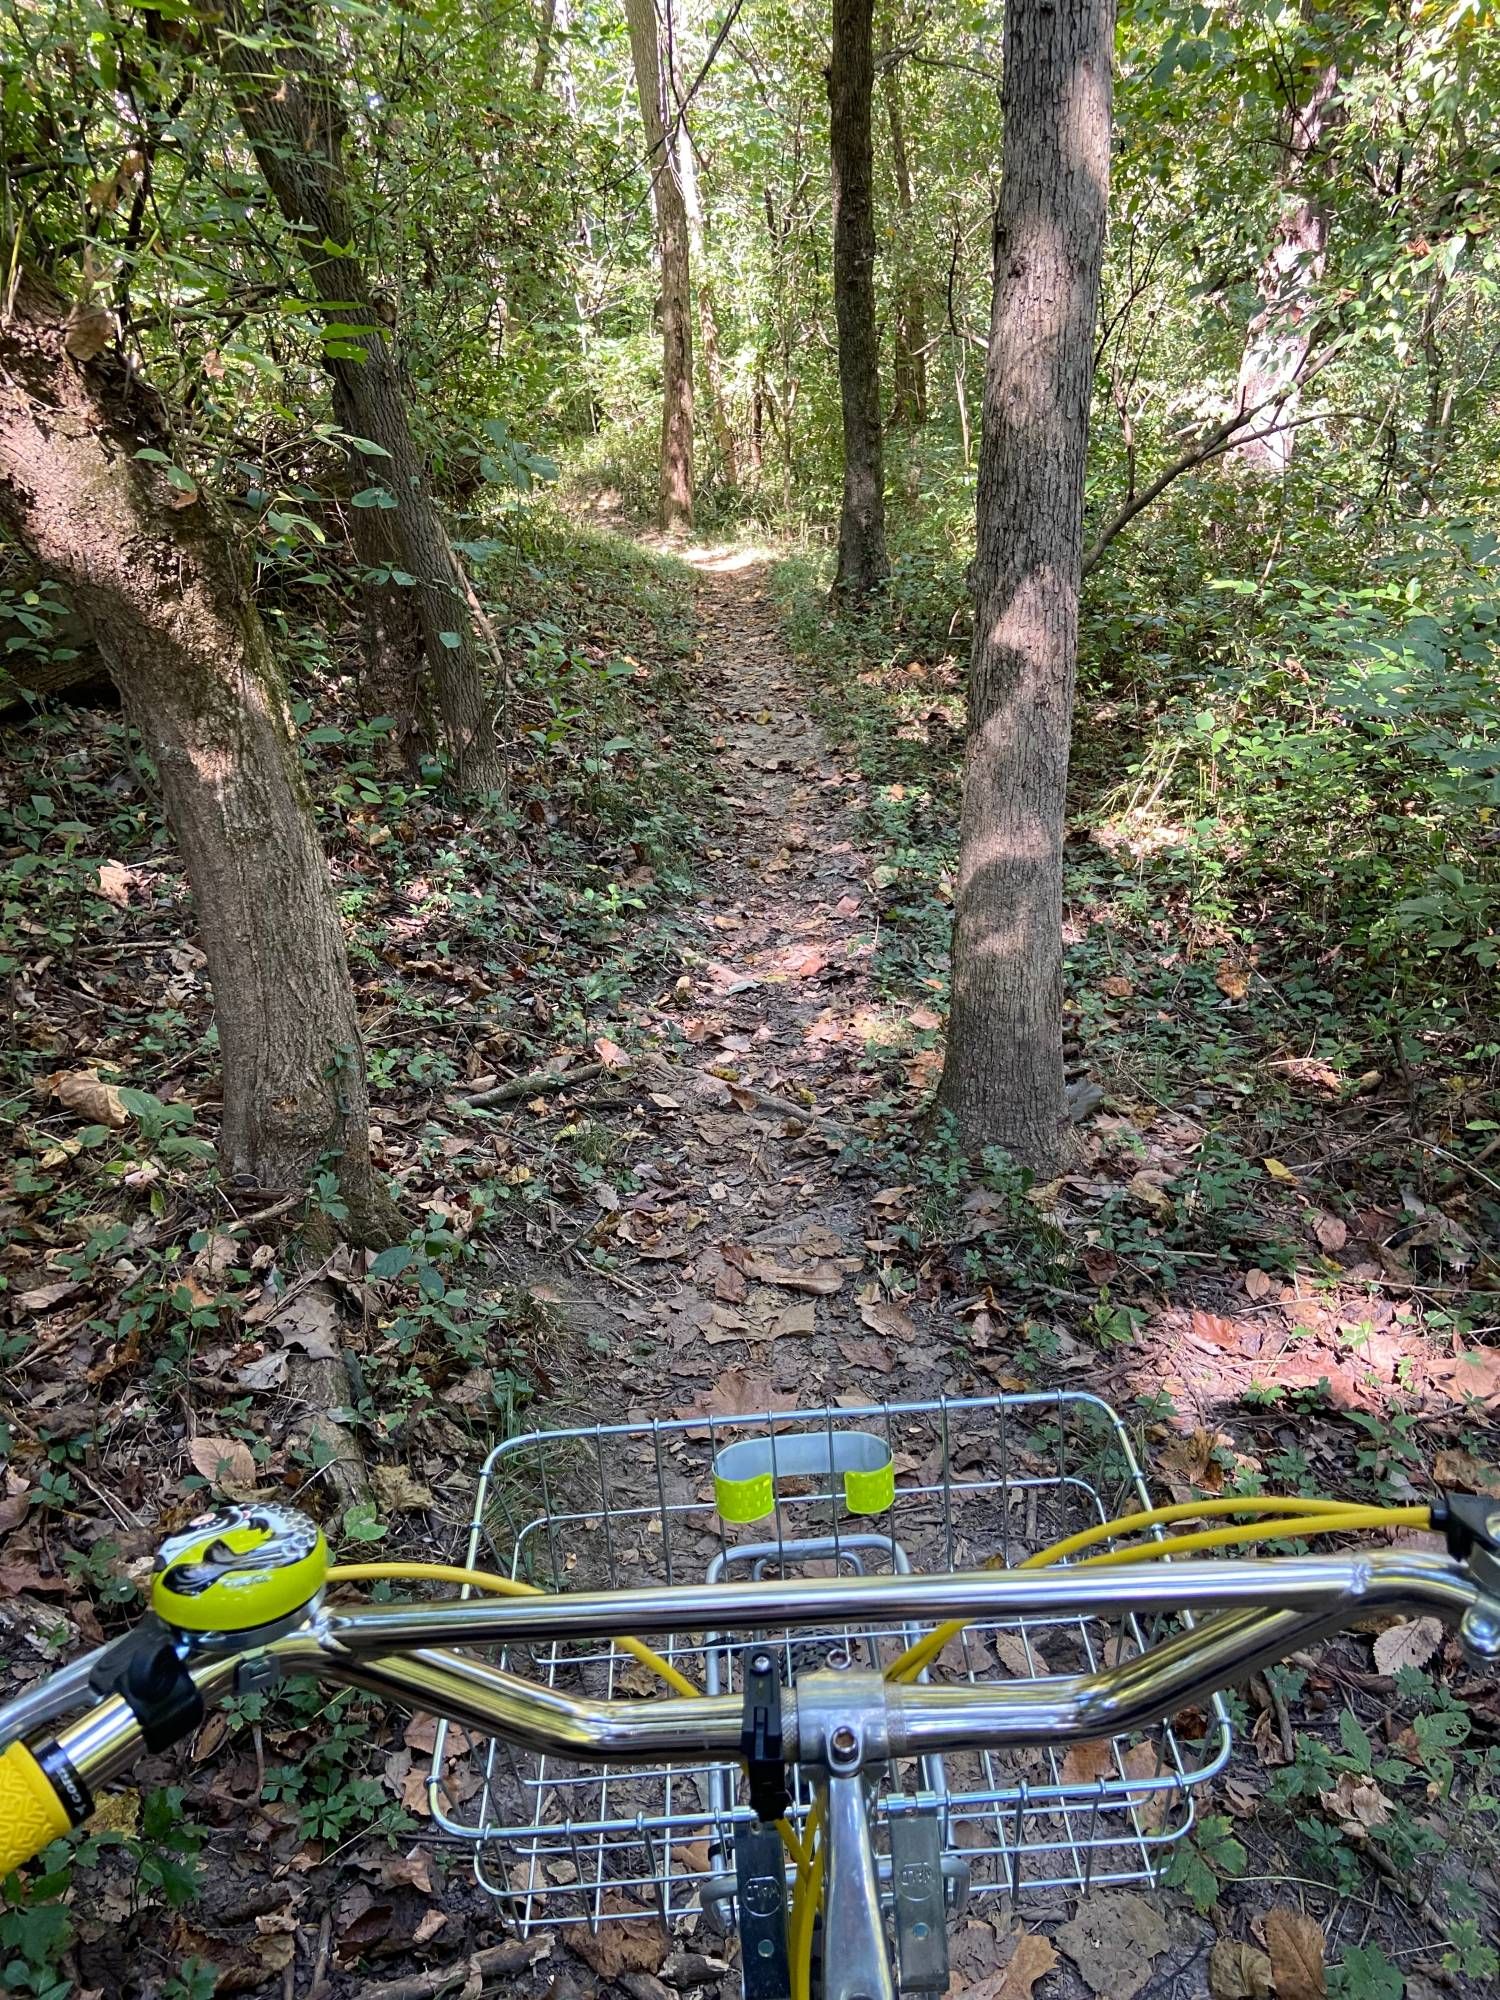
x=616 y=1506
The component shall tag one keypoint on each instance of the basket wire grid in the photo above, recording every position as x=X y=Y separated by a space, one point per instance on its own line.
x=632 y=1505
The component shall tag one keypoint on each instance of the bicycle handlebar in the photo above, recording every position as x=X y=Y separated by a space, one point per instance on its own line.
x=1262 y=1610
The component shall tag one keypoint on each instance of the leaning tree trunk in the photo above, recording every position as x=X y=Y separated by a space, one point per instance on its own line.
x=1279 y=337
x=289 y=108
x=150 y=566
x=862 y=565
x=909 y=375
x=672 y=240
x=1003 y=1077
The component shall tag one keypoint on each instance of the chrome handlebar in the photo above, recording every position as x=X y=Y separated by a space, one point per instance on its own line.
x=1261 y=1611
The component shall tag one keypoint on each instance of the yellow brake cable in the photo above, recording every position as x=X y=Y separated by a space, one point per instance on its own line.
x=1308 y=1517
x=1303 y=1516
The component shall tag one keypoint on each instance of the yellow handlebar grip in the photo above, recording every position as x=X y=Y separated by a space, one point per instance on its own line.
x=31 y=1811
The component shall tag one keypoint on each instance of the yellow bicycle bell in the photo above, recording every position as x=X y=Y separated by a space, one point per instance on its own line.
x=237 y=1568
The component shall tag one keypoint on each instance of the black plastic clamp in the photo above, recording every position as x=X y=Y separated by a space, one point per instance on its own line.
x=143 y=1668
x=1470 y=1521
x=761 y=1740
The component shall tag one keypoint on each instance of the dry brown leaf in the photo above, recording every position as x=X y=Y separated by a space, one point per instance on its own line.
x=821 y=1279
x=799 y=1317
x=620 y=1947
x=885 y=1317
x=1011 y=1651
x=1237 y=1971
x=396 y=1490
x=1143 y=1760
x=1258 y=1284
x=1033 y=1958
x=1410 y=1644
x=1296 y=1945
x=81 y=1090
x=1085 y=1763
x=1149 y=1194
x=1112 y=1941
x=1332 y=1233
x=42 y=1298
x=114 y=882
x=1356 y=1803
x=736 y=1393
x=89 y=331
x=611 y=1054
x=223 y=1461
x=1450 y=1468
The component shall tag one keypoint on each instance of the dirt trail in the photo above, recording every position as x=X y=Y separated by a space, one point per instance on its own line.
x=775 y=995
x=742 y=1210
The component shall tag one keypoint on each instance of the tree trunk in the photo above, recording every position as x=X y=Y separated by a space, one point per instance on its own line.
x=289 y=108
x=662 y=163
x=909 y=399
x=862 y=565
x=150 y=567
x=708 y=311
x=1278 y=339
x=1003 y=1077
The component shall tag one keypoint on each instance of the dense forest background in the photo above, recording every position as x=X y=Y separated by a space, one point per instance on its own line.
x=392 y=403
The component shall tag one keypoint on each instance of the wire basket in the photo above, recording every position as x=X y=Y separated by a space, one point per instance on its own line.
x=634 y=1505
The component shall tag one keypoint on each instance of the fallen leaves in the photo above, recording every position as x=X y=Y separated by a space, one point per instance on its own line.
x=1460 y=1469
x=1113 y=1941
x=224 y=1462
x=1409 y=1644
x=1238 y=1971
x=114 y=882
x=1032 y=1959
x=616 y=1948
x=1356 y=1803
x=1331 y=1232
x=1296 y=1946
x=885 y=1317
x=84 y=1091
x=822 y=1278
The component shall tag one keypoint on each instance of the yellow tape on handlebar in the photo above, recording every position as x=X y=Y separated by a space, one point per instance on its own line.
x=32 y=1813
x=747 y=1473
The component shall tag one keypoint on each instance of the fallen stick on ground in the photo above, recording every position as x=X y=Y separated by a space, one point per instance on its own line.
x=514 y=1955
x=541 y=1079
x=783 y=1107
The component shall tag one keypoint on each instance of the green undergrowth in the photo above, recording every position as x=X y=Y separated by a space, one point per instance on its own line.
x=479 y=946
x=1283 y=890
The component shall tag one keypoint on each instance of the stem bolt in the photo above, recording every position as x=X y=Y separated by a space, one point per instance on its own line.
x=843 y=1742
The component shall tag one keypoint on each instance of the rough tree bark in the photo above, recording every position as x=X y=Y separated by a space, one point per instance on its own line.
x=1003 y=1076
x=151 y=569
x=862 y=563
x=708 y=307
x=672 y=240
x=909 y=375
x=1278 y=338
x=289 y=107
